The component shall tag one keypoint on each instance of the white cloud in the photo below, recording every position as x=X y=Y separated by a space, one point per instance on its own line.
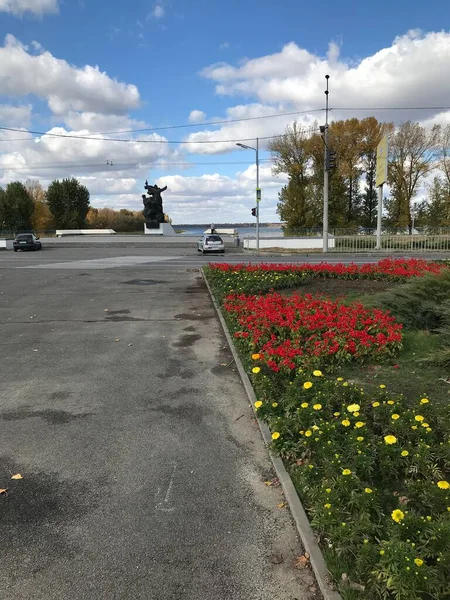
x=224 y=46
x=220 y=198
x=63 y=86
x=15 y=116
x=197 y=116
x=36 y=7
x=100 y=123
x=158 y=11
x=408 y=73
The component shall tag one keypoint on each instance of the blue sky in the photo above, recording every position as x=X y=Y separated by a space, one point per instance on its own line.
x=162 y=60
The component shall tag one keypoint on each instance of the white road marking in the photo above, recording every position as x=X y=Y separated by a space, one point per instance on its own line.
x=103 y=263
x=163 y=502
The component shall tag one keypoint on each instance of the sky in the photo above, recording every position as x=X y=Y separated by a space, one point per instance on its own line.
x=84 y=75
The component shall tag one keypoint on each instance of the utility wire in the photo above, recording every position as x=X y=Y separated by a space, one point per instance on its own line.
x=119 y=166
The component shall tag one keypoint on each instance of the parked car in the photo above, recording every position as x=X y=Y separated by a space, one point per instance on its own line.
x=211 y=243
x=26 y=241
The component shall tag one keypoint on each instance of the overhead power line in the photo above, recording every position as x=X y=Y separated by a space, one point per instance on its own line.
x=374 y=108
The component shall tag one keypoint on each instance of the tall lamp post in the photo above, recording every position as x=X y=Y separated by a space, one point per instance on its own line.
x=258 y=191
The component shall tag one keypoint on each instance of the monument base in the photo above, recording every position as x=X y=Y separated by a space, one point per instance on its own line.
x=164 y=229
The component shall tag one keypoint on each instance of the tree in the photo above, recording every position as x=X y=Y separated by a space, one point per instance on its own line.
x=412 y=154
x=68 y=202
x=438 y=206
x=42 y=217
x=16 y=208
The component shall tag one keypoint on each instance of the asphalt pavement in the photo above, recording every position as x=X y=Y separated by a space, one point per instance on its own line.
x=143 y=469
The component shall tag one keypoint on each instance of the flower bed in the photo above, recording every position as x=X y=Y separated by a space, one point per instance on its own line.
x=304 y=330
x=373 y=474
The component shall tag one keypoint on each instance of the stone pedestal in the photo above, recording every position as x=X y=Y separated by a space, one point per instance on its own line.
x=164 y=229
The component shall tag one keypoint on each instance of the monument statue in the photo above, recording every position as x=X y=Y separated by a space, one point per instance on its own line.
x=153 y=207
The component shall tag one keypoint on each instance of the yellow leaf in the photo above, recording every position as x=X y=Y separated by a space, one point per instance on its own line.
x=268 y=483
x=117 y=340
x=281 y=505
x=17 y=476
x=2 y=492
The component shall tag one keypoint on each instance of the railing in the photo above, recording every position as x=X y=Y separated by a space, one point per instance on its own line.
x=392 y=243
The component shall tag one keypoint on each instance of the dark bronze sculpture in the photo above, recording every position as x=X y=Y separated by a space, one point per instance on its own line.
x=153 y=208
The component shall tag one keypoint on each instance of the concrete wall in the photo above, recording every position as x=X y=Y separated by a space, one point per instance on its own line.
x=288 y=243
x=6 y=244
x=63 y=232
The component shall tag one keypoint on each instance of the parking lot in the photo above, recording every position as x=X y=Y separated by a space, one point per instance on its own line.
x=143 y=469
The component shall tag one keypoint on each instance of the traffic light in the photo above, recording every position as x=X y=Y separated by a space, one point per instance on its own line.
x=254 y=212
x=331 y=160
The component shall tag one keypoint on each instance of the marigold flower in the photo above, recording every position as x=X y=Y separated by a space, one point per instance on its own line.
x=425 y=425
x=317 y=373
x=307 y=385
x=419 y=418
x=345 y=423
x=397 y=515
x=337 y=414
x=256 y=370
x=382 y=386
x=375 y=404
x=353 y=408
x=258 y=404
x=418 y=562
x=395 y=417
x=368 y=490
x=346 y=472
x=345 y=384
x=405 y=453
x=390 y=439
x=328 y=490
x=275 y=435
x=424 y=401
x=356 y=414
x=391 y=402
x=317 y=407
x=359 y=424
x=304 y=405
x=443 y=485
x=308 y=433
x=327 y=505
x=360 y=438
x=382 y=552
x=414 y=427
x=256 y=356
x=340 y=379
x=274 y=404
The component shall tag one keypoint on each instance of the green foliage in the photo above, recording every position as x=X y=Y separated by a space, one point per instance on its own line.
x=419 y=302
x=68 y=201
x=16 y=208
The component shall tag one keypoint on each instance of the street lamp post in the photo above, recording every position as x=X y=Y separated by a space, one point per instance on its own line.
x=258 y=191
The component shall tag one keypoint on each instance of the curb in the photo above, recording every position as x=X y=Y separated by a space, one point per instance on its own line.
x=310 y=544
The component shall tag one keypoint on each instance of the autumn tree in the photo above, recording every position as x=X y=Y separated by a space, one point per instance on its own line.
x=412 y=155
x=68 y=201
x=42 y=217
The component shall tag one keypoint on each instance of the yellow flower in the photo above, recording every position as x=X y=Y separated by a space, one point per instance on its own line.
x=258 y=404
x=256 y=370
x=317 y=406
x=414 y=427
x=328 y=490
x=390 y=402
x=317 y=373
x=375 y=404
x=381 y=552
x=345 y=384
x=345 y=423
x=424 y=401
x=307 y=385
x=360 y=438
x=405 y=453
x=418 y=562
x=304 y=405
x=327 y=505
x=382 y=386
x=397 y=515
x=390 y=439
x=429 y=429
x=424 y=424
x=275 y=435
x=337 y=414
x=308 y=433
x=368 y=490
x=395 y=417
x=274 y=404
x=419 y=418
x=340 y=379
x=256 y=356
x=353 y=407
x=443 y=485
x=359 y=424
x=315 y=427
x=356 y=414
x=346 y=472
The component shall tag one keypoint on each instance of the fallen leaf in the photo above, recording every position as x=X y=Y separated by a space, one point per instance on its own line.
x=3 y=492
x=276 y=559
x=34 y=349
x=117 y=340
x=17 y=476
x=268 y=483
x=301 y=562
x=106 y=310
x=130 y=344
x=281 y=504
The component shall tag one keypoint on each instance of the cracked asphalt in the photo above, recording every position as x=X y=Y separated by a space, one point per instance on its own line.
x=143 y=469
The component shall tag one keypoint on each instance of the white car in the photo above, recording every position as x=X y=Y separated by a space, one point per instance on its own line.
x=211 y=243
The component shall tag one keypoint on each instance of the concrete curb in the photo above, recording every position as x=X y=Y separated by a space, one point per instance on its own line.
x=298 y=512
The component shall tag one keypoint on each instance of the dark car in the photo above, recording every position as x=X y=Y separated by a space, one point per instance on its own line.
x=26 y=241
